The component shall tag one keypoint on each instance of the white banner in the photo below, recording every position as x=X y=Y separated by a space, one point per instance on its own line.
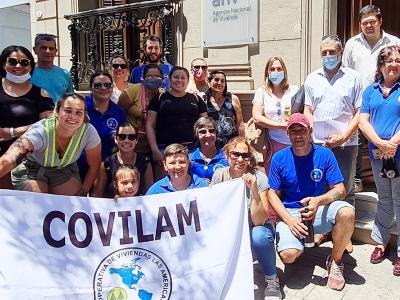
x=186 y=245
x=229 y=22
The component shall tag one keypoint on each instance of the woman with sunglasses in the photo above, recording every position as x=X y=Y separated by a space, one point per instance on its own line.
x=242 y=164
x=103 y=114
x=224 y=108
x=272 y=104
x=120 y=74
x=207 y=158
x=198 y=84
x=21 y=102
x=44 y=158
x=126 y=140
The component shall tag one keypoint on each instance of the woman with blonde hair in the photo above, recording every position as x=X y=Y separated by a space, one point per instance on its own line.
x=272 y=104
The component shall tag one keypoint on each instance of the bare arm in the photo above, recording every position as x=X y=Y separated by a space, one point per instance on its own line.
x=259 y=204
x=262 y=120
x=100 y=183
x=93 y=158
x=309 y=114
x=14 y=155
x=238 y=114
x=151 y=122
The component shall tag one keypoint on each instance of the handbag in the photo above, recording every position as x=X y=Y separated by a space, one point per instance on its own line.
x=297 y=101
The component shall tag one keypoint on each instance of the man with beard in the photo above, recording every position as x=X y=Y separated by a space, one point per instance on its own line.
x=152 y=53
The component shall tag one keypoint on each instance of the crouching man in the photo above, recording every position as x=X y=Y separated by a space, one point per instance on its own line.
x=299 y=178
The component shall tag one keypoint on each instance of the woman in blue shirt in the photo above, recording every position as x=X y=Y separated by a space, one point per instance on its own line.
x=380 y=123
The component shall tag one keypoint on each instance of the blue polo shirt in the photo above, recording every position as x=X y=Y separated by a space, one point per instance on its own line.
x=384 y=113
x=204 y=170
x=137 y=75
x=164 y=185
x=105 y=123
x=297 y=177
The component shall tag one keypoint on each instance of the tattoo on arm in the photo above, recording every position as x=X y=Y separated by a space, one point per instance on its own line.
x=19 y=149
x=336 y=195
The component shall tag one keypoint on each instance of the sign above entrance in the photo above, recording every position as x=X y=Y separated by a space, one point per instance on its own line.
x=229 y=22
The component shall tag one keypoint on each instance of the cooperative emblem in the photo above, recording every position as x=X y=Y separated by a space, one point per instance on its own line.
x=112 y=123
x=316 y=175
x=132 y=273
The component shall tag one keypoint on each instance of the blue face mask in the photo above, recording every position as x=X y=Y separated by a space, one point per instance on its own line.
x=152 y=83
x=276 y=77
x=330 y=61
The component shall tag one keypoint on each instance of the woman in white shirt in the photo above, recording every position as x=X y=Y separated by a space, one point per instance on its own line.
x=272 y=104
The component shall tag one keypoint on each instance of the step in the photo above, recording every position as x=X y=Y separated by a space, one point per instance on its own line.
x=240 y=82
x=232 y=70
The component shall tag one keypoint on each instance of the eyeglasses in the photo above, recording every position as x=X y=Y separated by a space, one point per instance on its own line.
x=365 y=23
x=210 y=130
x=198 y=67
x=23 y=62
x=390 y=61
x=99 y=85
x=123 y=136
x=117 y=66
x=243 y=155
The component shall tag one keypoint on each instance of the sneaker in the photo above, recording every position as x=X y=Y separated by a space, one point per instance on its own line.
x=273 y=289
x=396 y=268
x=335 y=274
x=358 y=186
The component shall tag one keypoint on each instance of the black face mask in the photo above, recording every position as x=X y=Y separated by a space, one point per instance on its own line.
x=389 y=169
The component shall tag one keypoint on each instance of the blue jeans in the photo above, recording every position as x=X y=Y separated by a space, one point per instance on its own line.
x=388 y=202
x=262 y=240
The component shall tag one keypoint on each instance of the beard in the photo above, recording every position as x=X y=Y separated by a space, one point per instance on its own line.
x=153 y=59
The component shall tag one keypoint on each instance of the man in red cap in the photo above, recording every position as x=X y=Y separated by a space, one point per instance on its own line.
x=298 y=179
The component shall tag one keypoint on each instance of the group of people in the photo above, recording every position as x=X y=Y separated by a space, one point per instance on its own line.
x=157 y=131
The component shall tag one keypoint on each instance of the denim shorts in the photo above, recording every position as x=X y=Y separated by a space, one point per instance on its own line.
x=324 y=221
x=29 y=170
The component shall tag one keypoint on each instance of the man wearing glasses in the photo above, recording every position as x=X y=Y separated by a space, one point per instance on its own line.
x=55 y=80
x=299 y=177
x=360 y=54
x=152 y=50
x=198 y=84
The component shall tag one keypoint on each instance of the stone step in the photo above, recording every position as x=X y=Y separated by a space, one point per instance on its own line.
x=240 y=83
x=232 y=70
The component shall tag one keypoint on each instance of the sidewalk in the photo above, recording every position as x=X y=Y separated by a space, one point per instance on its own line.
x=307 y=278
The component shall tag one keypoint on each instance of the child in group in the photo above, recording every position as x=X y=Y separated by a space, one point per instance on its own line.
x=126 y=183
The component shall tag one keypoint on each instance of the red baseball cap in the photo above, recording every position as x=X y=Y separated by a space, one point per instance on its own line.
x=298 y=118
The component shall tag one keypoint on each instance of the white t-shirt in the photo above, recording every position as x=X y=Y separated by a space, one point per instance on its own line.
x=275 y=110
x=333 y=102
x=358 y=54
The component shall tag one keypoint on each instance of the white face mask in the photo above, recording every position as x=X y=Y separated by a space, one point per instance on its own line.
x=18 y=78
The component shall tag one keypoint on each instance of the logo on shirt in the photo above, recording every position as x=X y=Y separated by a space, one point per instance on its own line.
x=112 y=123
x=316 y=175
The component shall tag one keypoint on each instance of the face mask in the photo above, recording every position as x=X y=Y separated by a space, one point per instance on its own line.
x=200 y=76
x=152 y=83
x=276 y=77
x=18 y=78
x=330 y=61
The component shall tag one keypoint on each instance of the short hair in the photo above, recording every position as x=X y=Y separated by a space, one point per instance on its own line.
x=178 y=68
x=332 y=39
x=147 y=67
x=45 y=37
x=97 y=74
x=14 y=48
x=380 y=62
x=368 y=10
x=204 y=122
x=174 y=149
x=241 y=140
x=198 y=58
x=73 y=95
x=216 y=72
x=152 y=38
x=267 y=83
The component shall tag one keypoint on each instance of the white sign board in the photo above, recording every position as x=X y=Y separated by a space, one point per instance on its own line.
x=229 y=22
x=190 y=244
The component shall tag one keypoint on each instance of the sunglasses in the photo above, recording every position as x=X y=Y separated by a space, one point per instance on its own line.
x=211 y=131
x=99 y=85
x=23 y=62
x=123 y=136
x=117 y=66
x=236 y=155
x=202 y=67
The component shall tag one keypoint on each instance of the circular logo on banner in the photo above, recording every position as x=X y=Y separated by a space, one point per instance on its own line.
x=132 y=273
x=316 y=175
x=112 y=123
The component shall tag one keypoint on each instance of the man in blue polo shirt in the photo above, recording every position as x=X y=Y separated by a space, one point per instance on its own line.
x=298 y=178
x=152 y=52
x=176 y=164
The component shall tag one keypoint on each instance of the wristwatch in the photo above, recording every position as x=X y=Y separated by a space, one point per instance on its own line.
x=13 y=132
